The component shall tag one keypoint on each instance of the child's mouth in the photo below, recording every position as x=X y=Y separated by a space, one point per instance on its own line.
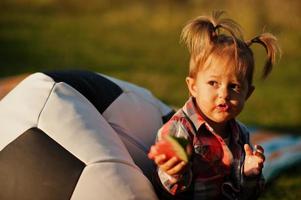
x=223 y=107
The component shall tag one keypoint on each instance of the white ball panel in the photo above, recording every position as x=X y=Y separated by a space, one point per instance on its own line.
x=20 y=109
x=111 y=180
x=140 y=158
x=72 y=121
x=130 y=114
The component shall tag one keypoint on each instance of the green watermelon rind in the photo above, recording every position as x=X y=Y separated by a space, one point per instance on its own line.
x=179 y=146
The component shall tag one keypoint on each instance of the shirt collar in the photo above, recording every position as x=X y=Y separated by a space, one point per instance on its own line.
x=235 y=130
x=191 y=110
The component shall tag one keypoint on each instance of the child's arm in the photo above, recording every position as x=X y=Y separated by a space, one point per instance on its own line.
x=173 y=168
x=253 y=180
x=173 y=174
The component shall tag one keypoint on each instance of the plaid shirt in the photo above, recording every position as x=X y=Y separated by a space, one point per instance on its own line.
x=215 y=170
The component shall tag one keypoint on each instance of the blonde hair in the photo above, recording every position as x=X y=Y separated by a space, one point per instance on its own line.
x=204 y=39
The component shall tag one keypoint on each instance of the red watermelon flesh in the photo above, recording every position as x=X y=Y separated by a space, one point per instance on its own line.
x=172 y=147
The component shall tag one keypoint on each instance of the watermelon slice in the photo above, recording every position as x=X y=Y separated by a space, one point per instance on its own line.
x=171 y=146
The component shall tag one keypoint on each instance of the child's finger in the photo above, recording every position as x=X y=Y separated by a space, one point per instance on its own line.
x=259 y=148
x=153 y=152
x=248 y=150
x=169 y=164
x=160 y=159
x=260 y=155
x=176 y=169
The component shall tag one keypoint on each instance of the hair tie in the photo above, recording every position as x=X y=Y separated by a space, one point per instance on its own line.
x=216 y=27
x=256 y=40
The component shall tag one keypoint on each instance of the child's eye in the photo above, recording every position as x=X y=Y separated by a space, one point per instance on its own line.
x=213 y=83
x=235 y=87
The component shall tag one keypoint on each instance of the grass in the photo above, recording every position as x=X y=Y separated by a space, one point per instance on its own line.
x=285 y=187
x=138 y=41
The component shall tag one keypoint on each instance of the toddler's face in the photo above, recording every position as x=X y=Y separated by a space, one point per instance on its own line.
x=219 y=93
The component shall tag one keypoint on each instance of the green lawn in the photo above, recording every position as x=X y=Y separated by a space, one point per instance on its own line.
x=139 y=41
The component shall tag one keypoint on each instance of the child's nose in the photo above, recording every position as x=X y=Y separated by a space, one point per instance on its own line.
x=223 y=93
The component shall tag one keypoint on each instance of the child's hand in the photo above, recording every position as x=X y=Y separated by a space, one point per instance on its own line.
x=254 y=160
x=172 y=166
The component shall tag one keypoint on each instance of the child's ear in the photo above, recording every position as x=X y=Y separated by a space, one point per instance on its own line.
x=191 y=84
x=250 y=91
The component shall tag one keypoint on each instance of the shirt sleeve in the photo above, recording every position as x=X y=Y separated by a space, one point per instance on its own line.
x=252 y=187
x=174 y=184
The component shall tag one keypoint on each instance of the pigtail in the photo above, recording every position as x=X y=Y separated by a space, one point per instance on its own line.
x=199 y=33
x=271 y=46
x=227 y=24
x=231 y=27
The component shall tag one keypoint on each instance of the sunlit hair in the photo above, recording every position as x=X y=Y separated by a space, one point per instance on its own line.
x=221 y=38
